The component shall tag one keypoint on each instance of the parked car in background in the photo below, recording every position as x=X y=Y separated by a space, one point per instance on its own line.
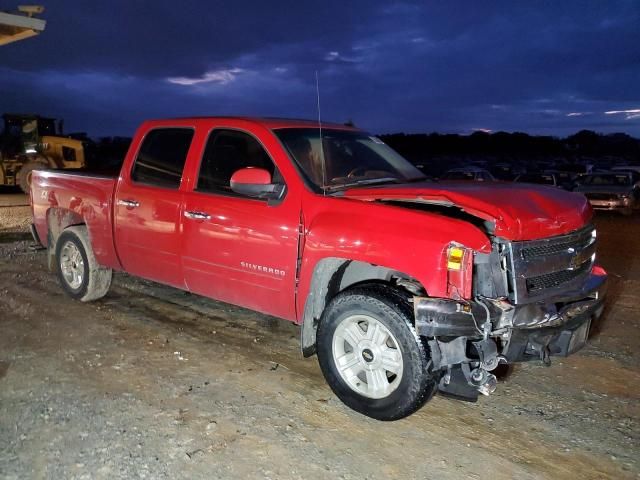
x=576 y=169
x=552 y=178
x=564 y=179
x=614 y=190
x=469 y=173
x=507 y=171
x=538 y=178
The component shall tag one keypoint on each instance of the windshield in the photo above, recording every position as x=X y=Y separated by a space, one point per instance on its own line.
x=345 y=158
x=619 y=180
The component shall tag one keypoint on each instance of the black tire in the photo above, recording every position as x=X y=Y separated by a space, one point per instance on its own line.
x=23 y=177
x=95 y=280
x=416 y=385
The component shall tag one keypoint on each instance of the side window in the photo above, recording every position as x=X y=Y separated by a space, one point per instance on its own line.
x=162 y=156
x=226 y=152
x=68 y=154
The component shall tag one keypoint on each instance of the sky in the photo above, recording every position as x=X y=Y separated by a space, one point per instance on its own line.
x=541 y=67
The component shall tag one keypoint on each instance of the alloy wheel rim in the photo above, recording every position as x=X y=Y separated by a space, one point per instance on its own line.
x=72 y=265
x=367 y=356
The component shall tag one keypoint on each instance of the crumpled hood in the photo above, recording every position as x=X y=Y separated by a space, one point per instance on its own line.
x=519 y=211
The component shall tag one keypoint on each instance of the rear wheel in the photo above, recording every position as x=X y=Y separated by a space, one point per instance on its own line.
x=371 y=356
x=78 y=271
x=23 y=177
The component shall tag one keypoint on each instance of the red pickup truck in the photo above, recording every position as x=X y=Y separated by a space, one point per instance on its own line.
x=401 y=285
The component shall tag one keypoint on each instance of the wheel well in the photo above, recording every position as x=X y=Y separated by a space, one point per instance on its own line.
x=58 y=219
x=334 y=275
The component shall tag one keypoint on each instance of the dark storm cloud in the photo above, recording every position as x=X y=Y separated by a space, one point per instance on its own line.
x=176 y=38
x=412 y=66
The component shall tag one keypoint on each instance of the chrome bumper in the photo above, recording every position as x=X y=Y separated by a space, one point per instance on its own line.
x=613 y=204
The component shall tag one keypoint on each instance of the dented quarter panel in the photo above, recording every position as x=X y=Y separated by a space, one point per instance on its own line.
x=63 y=199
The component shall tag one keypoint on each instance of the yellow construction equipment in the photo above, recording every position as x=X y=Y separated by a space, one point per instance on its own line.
x=31 y=142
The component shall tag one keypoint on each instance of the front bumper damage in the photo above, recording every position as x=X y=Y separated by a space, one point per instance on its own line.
x=619 y=204
x=470 y=339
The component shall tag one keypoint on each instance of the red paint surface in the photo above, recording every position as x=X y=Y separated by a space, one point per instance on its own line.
x=250 y=175
x=246 y=252
x=521 y=212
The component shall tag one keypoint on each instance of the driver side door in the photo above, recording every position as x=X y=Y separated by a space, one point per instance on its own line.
x=236 y=248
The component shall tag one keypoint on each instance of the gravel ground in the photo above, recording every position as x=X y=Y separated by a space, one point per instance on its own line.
x=15 y=213
x=152 y=382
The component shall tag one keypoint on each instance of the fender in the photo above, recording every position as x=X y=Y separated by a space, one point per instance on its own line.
x=392 y=241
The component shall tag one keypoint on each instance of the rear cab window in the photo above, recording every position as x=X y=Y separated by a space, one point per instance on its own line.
x=162 y=156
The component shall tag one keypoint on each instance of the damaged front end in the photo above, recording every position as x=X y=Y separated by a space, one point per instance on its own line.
x=529 y=300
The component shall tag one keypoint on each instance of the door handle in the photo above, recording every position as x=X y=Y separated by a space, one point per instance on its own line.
x=197 y=215
x=129 y=203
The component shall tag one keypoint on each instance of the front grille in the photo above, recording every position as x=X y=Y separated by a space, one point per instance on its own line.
x=554 y=279
x=551 y=247
x=538 y=269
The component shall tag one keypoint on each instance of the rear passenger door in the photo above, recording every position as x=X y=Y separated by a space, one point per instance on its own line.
x=239 y=249
x=148 y=205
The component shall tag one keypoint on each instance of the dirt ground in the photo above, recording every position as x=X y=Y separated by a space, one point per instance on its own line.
x=151 y=382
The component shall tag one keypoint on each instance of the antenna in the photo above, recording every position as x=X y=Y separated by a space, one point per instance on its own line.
x=322 y=162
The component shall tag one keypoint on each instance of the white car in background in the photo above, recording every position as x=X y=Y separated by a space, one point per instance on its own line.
x=614 y=190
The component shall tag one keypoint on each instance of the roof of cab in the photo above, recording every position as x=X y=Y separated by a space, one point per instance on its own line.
x=272 y=123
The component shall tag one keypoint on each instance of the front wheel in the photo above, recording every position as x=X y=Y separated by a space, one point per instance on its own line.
x=371 y=356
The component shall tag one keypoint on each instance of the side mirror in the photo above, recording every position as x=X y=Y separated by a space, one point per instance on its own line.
x=255 y=182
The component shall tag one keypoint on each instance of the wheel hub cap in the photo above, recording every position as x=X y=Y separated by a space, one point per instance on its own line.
x=72 y=265
x=367 y=356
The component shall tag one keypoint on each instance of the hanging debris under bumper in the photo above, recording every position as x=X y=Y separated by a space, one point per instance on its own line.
x=468 y=339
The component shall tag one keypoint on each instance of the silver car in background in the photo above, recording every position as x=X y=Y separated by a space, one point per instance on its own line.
x=619 y=190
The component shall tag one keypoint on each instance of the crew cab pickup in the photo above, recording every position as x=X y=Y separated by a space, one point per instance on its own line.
x=402 y=286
